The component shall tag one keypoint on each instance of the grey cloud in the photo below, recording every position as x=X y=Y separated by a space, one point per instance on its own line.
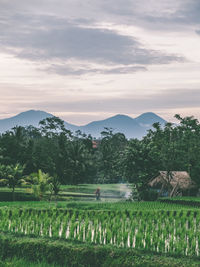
x=44 y=38
x=191 y=12
x=119 y=7
x=69 y=71
x=124 y=70
x=185 y=15
x=154 y=14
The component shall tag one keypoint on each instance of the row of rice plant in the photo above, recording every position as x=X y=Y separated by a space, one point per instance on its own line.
x=128 y=205
x=161 y=231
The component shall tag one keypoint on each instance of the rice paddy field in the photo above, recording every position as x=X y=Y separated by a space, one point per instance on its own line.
x=153 y=228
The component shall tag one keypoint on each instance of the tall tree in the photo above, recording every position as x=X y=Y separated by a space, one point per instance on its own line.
x=140 y=163
x=111 y=150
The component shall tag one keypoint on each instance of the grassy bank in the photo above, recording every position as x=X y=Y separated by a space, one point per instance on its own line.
x=17 y=262
x=71 y=254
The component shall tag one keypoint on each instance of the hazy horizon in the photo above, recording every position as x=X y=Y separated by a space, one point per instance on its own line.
x=87 y=61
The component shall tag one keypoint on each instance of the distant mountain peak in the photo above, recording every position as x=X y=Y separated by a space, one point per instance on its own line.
x=121 y=117
x=33 y=112
x=148 y=115
x=132 y=128
x=150 y=118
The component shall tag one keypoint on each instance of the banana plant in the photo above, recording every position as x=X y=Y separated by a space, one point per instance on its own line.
x=11 y=175
x=40 y=183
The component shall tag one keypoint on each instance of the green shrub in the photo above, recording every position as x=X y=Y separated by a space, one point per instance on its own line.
x=7 y=196
x=149 y=195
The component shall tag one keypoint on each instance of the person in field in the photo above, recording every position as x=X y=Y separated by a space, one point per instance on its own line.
x=97 y=193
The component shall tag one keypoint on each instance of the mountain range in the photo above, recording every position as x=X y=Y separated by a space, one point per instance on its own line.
x=131 y=127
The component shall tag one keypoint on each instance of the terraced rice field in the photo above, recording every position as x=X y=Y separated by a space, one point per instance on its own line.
x=145 y=226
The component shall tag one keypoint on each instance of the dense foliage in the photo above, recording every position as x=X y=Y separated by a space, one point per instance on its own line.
x=78 y=158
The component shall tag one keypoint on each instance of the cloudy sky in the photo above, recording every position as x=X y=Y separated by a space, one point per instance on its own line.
x=88 y=60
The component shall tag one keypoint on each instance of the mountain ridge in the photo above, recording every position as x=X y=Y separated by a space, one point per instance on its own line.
x=131 y=127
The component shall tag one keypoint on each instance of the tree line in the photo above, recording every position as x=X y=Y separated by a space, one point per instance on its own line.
x=74 y=158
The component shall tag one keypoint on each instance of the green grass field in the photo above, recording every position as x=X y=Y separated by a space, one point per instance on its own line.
x=82 y=192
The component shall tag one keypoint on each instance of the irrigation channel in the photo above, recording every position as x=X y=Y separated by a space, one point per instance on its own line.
x=162 y=231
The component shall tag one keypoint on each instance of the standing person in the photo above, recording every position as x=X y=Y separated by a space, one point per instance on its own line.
x=97 y=193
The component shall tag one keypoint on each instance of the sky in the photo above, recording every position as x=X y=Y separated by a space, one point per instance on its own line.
x=92 y=59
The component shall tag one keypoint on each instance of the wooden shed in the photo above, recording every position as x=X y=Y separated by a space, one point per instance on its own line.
x=172 y=182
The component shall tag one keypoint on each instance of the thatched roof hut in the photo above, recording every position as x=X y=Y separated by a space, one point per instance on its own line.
x=173 y=181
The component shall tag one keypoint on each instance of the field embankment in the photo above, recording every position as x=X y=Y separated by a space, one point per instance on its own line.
x=75 y=254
